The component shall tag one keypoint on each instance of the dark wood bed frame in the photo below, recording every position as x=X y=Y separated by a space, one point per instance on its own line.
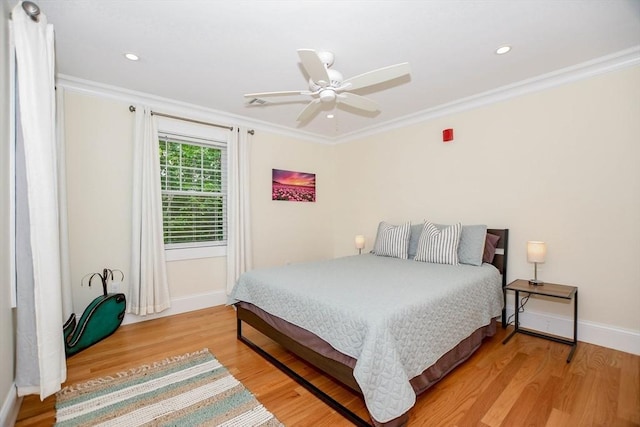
x=337 y=370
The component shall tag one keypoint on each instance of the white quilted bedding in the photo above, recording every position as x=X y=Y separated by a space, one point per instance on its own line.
x=396 y=317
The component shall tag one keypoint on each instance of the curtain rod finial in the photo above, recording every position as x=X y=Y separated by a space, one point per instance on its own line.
x=32 y=10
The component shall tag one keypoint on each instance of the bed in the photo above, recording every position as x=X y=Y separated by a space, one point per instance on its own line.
x=387 y=328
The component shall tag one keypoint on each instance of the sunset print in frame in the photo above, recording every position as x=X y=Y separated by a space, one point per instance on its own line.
x=293 y=186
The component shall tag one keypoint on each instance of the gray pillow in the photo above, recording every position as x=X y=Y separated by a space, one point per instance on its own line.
x=471 y=247
x=414 y=238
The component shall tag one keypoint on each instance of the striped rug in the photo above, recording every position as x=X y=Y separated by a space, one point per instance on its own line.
x=188 y=390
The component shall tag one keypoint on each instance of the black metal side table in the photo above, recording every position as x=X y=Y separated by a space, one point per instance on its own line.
x=549 y=290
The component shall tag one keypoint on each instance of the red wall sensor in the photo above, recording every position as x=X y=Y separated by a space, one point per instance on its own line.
x=447 y=135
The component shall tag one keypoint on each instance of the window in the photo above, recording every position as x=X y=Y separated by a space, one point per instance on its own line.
x=194 y=191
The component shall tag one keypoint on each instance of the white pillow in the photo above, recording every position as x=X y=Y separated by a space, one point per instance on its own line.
x=393 y=240
x=439 y=246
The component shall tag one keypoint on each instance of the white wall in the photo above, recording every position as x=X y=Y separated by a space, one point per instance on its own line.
x=99 y=156
x=285 y=232
x=99 y=175
x=561 y=165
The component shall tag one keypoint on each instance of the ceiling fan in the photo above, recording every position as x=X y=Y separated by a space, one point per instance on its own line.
x=327 y=85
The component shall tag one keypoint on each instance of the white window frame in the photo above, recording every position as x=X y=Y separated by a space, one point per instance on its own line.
x=202 y=133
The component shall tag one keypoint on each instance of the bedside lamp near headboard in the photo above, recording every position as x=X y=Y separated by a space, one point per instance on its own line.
x=360 y=243
x=536 y=252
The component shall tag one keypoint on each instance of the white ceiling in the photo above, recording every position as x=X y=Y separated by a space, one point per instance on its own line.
x=209 y=53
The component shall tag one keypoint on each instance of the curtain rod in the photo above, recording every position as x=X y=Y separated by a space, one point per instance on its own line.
x=153 y=113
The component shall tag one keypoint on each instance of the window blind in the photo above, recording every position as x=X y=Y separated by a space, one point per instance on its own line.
x=194 y=191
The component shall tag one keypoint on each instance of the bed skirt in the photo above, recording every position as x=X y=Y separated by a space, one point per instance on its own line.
x=420 y=383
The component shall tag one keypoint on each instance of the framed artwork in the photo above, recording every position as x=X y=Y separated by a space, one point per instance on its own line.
x=293 y=186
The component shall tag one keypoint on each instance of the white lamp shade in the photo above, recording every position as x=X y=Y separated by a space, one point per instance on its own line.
x=536 y=251
x=359 y=241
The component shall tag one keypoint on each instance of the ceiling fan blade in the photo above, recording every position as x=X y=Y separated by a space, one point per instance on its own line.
x=281 y=93
x=309 y=110
x=357 y=101
x=378 y=76
x=314 y=66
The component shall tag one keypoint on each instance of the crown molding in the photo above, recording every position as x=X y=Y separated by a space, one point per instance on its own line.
x=170 y=106
x=613 y=62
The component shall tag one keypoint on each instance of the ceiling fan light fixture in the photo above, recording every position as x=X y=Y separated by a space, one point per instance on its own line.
x=503 y=49
x=327 y=95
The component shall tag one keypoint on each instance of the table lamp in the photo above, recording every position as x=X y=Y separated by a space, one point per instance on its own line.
x=536 y=252
x=359 y=243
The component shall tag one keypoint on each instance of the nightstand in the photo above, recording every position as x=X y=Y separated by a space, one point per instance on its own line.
x=549 y=290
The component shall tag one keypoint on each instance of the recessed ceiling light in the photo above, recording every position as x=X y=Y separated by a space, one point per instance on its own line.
x=330 y=116
x=131 y=56
x=503 y=49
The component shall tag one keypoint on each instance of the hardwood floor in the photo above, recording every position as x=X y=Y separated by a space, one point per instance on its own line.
x=525 y=382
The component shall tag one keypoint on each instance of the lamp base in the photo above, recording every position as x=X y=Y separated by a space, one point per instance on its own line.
x=536 y=282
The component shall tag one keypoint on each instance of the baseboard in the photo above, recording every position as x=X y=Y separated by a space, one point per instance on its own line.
x=591 y=332
x=182 y=305
x=10 y=407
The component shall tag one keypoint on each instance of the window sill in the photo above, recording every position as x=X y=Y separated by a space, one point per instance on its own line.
x=180 y=254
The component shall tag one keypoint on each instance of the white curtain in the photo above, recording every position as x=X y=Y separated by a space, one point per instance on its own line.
x=40 y=355
x=65 y=266
x=239 y=257
x=149 y=289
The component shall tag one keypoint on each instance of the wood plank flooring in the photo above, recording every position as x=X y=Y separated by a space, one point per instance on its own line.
x=525 y=382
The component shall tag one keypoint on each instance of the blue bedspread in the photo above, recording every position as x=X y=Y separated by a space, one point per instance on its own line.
x=396 y=317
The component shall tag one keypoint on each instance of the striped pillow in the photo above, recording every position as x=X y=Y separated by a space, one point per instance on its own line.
x=439 y=246
x=393 y=240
